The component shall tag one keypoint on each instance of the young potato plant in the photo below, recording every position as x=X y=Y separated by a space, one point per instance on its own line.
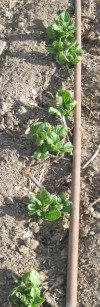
x=63 y=43
x=63 y=27
x=28 y=291
x=49 y=206
x=64 y=104
x=49 y=139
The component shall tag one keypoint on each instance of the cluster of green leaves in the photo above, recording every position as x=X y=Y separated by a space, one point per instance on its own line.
x=63 y=43
x=64 y=104
x=28 y=291
x=49 y=139
x=49 y=206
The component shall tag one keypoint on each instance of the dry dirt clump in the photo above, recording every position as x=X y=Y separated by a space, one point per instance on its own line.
x=28 y=74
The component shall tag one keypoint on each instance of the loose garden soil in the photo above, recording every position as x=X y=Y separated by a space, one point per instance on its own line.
x=28 y=76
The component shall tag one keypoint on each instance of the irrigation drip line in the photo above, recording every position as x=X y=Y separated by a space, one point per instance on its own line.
x=72 y=265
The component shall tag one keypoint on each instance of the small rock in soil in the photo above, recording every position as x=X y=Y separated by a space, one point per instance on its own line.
x=23 y=249
x=27 y=235
x=64 y=253
x=35 y=227
x=34 y=244
x=9 y=120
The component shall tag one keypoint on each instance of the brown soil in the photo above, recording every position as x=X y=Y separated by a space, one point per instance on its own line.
x=27 y=75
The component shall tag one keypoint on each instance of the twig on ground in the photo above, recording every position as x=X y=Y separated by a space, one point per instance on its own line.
x=57 y=157
x=10 y=4
x=50 y=94
x=3 y=46
x=86 y=107
x=63 y=120
x=92 y=158
x=96 y=201
x=42 y=172
x=37 y=183
x=87 y=17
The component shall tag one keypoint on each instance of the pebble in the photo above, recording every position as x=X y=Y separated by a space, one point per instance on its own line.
x=1 y=258
x=27 y=235
x=34 y=243
x=2 y=28
x=23 y=249
x=64 y=253
x=9 y=120
x=22 y=110
x=35 y=227
x=34 y=92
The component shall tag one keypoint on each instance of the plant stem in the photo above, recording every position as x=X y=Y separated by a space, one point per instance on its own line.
x=63 y=120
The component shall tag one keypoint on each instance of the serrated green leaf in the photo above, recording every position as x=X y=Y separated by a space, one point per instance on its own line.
x=61 y=57
x=41 y=301
x=44 y=196
x=32 y=209
x=58 y=146
x=68 y=207
x=34 y=278
x=65 y=102
x=56 y=27
x=25 y=277
x=61 y=130
x=63 y=198
x=32 y=293
x=53 y=110
x=41 y=154
x=33 y=199
x=37 y=293
x=67 y=148
x=64 y=16
x=53 y=215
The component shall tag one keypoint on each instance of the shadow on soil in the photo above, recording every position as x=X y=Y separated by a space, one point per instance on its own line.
x=7 y=282
x=52 y=256
x=17 y=206
x=59 y=175
x=51 y=252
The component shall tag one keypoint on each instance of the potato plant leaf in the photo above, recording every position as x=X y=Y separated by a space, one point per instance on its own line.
x=63 y=44
x=64 y=104
x=28 y=291
x=62 y=27
x=51 y=139
x=52 y=207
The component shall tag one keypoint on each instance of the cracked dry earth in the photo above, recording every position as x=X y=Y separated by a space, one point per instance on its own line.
x=27 y=76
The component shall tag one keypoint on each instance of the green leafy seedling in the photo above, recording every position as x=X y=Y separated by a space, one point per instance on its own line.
x=49 y=139
x=28 y=291
x=64 y=104
x=66 y=52
x=61 y=34
x=49 y=206
x=62 y=27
